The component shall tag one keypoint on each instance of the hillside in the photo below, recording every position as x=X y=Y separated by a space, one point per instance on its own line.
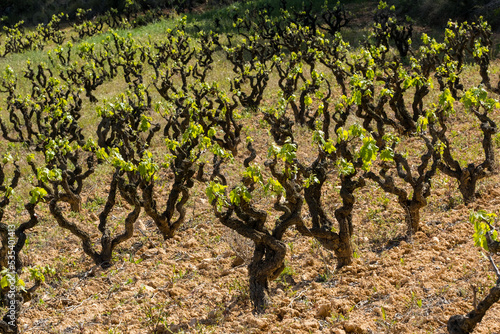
x=196 y=283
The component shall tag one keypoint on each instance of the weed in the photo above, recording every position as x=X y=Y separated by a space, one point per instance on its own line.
x=156 y=316
x=177 y=274
x=336 y=317
x=94 y=204
x=114 y=331
x=414 y=301
x=290 y=246
x=385 y=322
x=288 y=270
x=315 y=245
x=239 y=287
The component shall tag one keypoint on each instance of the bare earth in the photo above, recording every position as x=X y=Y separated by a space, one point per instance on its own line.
x=197 y=283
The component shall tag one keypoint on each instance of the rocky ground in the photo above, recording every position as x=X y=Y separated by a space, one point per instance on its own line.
x=197 y=281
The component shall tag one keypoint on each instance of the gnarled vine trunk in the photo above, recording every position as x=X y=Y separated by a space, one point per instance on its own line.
x=267 y=264
x=465 y=324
